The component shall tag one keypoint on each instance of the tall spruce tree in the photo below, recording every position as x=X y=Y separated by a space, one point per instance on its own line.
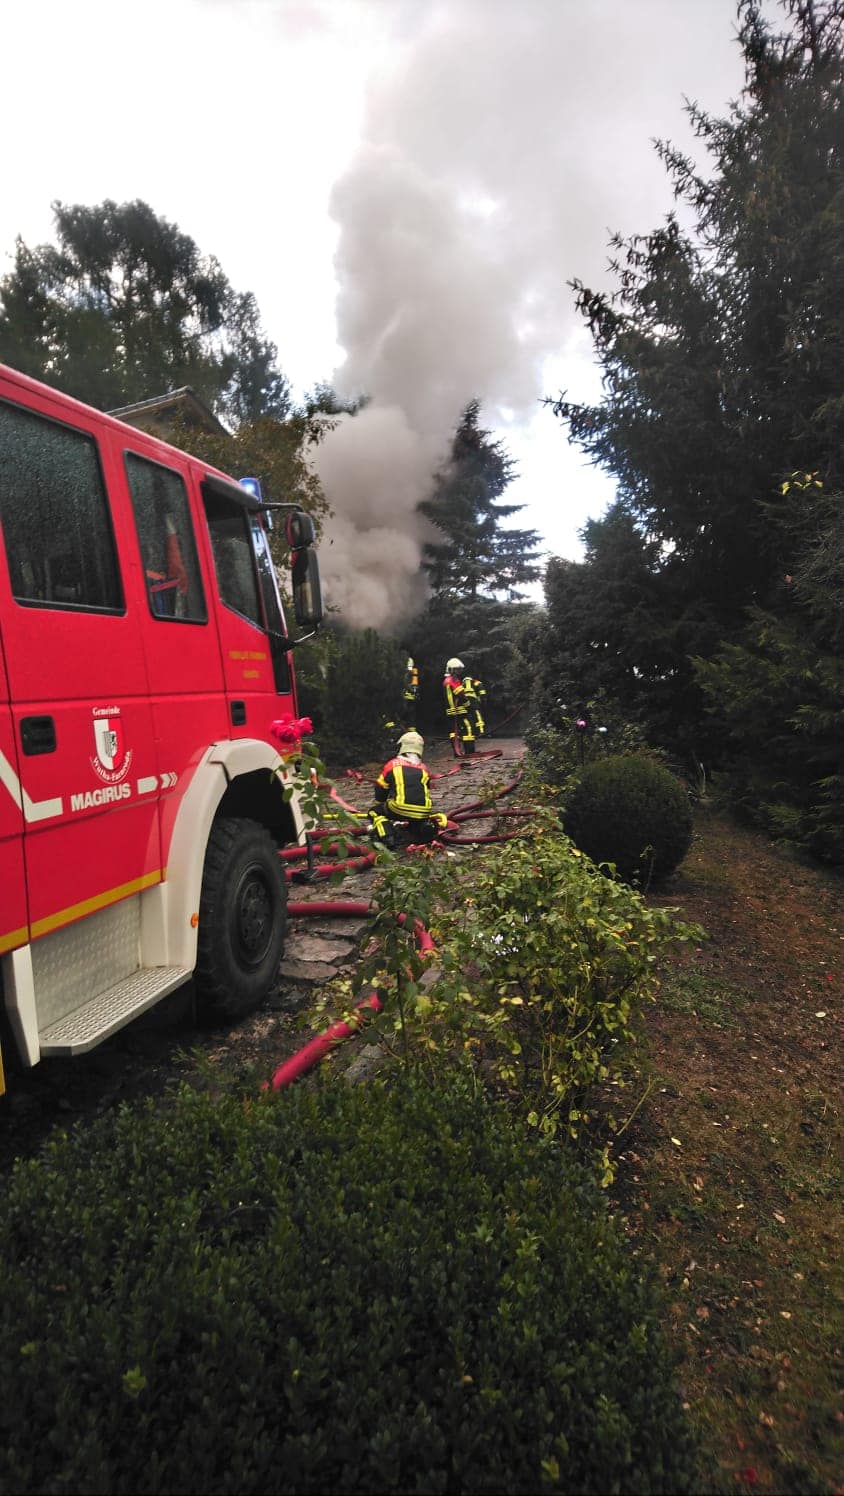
x=721 y=348
x=476 y=569
x=605 y=614
x=722 y=353
x=475 y=557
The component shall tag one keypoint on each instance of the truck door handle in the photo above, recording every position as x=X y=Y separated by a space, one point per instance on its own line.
x=38 y=735
x=238 y=713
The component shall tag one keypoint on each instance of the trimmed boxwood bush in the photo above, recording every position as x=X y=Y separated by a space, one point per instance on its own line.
x=632 y=812
x=356 y=1290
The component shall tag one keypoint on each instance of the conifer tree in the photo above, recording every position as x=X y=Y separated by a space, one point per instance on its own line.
x=722 y=354
x=474 y=557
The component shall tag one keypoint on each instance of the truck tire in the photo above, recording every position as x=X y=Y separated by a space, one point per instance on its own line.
x=242 y=919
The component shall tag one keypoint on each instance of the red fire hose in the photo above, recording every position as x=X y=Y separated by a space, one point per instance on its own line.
x=423 y=939
x=350 y=908
x=322 y=1045
x=317 y=1048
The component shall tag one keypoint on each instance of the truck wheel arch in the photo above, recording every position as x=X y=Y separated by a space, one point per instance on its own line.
x=237 y=779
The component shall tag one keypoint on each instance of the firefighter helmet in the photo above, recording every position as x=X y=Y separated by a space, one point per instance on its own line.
x=411 y=742
x=454 y=664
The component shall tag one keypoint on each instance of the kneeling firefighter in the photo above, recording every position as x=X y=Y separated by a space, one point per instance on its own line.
x=402 y=794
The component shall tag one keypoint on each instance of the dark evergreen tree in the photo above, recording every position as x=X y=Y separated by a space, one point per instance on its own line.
x=475 y=557
x=602 y=609
x=777 y=691
x=324 y=400
x=722 y=352
x=481 y=632
x=361 y=712
x=780 y=706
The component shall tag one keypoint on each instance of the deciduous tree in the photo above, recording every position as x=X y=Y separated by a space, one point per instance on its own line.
x=124 y=306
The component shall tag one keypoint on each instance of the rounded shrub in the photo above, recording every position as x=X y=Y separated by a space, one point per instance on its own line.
x=632 y=812
x=369 y=1289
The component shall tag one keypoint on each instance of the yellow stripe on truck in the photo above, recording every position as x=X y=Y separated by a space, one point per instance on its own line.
x=90 y=906
x=13 y=938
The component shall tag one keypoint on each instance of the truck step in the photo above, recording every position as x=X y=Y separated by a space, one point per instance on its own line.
x=109 y=1011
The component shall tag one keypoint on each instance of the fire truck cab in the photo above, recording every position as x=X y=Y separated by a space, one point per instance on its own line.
x=143 y=656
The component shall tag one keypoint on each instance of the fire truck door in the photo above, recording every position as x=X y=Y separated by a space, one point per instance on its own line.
x=14 y=925
x=180 y=642
x=255 y=660
x=77 y=682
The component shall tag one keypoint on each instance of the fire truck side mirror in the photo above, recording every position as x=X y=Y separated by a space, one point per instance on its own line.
x=300 y=530
x=307 y=588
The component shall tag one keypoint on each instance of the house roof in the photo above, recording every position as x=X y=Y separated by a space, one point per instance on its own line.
x=159 y=414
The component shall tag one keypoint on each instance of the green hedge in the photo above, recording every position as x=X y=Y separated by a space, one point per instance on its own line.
x=632 y=812
x=353 y=1290
x=543 y=966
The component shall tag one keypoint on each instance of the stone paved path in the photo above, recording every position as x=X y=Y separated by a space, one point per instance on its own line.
x=320 y=948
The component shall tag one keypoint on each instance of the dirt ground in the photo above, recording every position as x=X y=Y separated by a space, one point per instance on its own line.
x=728 y=1178
x=729 y=1174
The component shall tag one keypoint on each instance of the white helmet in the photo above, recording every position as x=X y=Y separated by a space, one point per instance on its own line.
x=411 y=742
x=454 y=664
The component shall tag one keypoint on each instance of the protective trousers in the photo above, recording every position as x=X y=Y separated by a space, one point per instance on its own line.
x=460 y=728
x=462 y=734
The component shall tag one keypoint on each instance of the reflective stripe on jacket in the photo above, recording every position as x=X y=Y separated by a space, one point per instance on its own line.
x=403 y=787
x=455 y=693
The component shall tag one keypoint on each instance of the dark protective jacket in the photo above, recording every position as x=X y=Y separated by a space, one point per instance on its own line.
x=475 y=692
x=402 y=786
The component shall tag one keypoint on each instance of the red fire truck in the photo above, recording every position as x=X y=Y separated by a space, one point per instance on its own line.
x=143 y=656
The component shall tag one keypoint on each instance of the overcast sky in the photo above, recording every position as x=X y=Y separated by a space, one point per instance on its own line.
x=407 y=186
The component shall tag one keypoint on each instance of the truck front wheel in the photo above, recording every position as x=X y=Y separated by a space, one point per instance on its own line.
x=242 y=919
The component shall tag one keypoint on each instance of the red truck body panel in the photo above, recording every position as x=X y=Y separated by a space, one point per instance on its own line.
x=130 y=699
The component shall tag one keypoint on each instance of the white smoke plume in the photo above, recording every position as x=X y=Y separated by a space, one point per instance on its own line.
x=490 y=171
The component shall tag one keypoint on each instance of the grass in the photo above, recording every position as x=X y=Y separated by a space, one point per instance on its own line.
x=701 y=994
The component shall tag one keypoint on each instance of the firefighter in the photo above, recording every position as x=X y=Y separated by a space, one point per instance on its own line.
x=475 y=693
x=457 y=708
x=402 y=793
x=411 y=691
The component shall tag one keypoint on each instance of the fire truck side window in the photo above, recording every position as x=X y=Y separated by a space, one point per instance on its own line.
x=168 y=546
x=55 y=516
x=234 y=560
